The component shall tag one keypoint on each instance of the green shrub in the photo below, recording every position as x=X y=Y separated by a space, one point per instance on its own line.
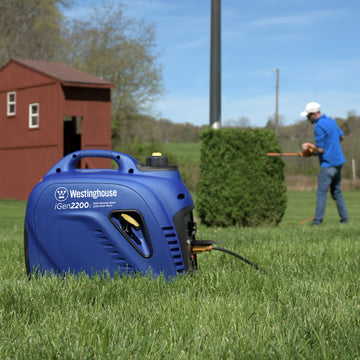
x=238 y=184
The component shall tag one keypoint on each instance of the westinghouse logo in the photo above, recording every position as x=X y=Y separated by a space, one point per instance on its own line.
x=93 y=194
x=61 y=194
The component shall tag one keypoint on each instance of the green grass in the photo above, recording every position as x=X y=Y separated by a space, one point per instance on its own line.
x=189 y=151
x=305 y=305
x=301 y=206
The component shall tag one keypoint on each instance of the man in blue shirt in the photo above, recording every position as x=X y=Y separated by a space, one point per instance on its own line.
x=328 y=148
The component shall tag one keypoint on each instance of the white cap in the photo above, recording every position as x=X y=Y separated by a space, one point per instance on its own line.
x=311 y=107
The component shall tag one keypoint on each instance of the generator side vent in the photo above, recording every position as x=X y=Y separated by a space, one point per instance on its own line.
x=175 y=248
x=120 y=262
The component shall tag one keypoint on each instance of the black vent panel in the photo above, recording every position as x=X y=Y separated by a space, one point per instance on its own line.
x=175 y=248
x=121 y=263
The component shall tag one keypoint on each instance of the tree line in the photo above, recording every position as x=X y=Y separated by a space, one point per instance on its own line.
x=145 y=129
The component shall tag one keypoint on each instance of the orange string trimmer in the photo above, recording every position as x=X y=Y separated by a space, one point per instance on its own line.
x=284 y=154
x=304 y=153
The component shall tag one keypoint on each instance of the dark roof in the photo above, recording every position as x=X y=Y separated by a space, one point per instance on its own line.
x=67 y=75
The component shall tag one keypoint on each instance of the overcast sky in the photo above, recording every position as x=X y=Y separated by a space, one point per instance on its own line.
x=314 y=44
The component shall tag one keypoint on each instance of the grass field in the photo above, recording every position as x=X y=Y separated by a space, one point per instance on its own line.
x=189 y=151
x=305 y=305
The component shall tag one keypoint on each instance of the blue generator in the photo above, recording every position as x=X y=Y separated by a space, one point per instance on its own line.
x=136 y=218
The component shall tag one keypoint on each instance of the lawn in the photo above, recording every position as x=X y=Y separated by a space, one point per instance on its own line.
x=190 y=151
x=304 y=305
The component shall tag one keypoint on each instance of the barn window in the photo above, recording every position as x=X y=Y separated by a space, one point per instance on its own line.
x=11 y=103
x=34 y=115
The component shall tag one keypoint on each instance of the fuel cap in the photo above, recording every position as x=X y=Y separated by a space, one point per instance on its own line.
x=157 y=160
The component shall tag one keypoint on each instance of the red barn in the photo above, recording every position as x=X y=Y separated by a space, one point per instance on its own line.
x=48 y=110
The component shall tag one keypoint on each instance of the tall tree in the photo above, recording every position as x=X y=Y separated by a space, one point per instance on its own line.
x=30 y=29
x=119 y=49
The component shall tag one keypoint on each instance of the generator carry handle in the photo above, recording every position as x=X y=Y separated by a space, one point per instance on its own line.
x=68 y=163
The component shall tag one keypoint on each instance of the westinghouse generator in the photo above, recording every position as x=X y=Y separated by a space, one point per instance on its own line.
x=136 y=218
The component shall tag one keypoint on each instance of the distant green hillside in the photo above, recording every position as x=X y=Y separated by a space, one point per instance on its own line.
x=189 y=151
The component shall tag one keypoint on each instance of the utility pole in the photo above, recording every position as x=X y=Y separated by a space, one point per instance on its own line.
x=215 y=65
x=277 y=104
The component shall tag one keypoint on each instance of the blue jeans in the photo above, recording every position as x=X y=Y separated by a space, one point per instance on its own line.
x=329 y=176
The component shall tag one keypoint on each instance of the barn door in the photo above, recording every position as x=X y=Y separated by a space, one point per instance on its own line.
x=72 y=134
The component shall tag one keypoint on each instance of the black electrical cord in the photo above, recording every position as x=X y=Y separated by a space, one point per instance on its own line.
x=210 y=242
x=238 y=256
